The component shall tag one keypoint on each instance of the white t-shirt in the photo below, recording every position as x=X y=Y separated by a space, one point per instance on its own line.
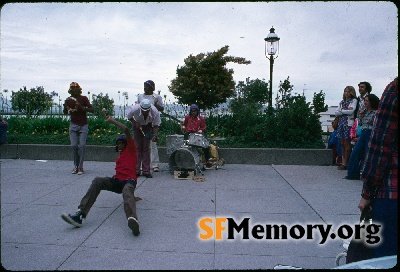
x=151 y=97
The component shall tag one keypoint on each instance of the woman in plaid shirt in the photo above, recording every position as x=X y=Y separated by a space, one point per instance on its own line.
x=380 y=172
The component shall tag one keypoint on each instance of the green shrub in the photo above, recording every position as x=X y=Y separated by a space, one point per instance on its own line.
x=295 y=126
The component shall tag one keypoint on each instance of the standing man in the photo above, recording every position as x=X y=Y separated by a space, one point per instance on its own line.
x=77 y=106
x=379 y=175
x=157 y=101
x=145 y=120
x=364 y=89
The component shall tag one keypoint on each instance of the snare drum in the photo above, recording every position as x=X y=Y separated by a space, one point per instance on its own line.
x=198 y=140
x=184 y=158
x=174 y=142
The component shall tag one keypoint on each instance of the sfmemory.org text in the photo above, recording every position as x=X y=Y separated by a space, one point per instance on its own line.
x=220 y=228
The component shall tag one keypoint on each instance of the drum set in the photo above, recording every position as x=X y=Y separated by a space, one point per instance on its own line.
x=187 y=155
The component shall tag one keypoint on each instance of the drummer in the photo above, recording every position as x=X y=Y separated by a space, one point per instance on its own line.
x=195 y=123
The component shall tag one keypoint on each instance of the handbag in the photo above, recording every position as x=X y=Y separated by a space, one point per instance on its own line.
x=335 y=123
x=359 y=249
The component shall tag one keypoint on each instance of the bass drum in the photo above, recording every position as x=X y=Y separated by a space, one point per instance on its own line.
x=174 y=142
x=184 y=158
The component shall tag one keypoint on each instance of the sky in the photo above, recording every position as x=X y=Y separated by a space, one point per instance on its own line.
x=114 y=47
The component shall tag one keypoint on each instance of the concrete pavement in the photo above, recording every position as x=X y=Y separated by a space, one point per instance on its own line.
x=35 y=193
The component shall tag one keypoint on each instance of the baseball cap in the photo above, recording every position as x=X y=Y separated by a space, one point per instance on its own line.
x=145 y=105
x=121 y=137
x=150 y=83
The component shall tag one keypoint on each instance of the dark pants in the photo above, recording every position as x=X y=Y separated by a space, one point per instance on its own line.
x=385 y=212
x=143 y=148
x=126 y=187
x=357 y=155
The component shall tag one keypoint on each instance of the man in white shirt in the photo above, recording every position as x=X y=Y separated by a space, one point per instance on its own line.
x=364 y=88
x=145 y=120
x=157 y=101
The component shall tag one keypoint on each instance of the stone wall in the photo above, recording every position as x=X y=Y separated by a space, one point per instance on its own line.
x=257 y=156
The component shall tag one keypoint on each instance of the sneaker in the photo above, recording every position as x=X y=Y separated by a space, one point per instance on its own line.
x=80 y=171
x=75 y=171
x=156 y=169
x=75 y=220
x=148 y=175
x=133 y=224
x=209 y=165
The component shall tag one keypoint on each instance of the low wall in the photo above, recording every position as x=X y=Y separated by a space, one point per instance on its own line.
x=256 y=156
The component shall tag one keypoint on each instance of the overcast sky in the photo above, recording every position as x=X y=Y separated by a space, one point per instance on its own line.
x=111 y=47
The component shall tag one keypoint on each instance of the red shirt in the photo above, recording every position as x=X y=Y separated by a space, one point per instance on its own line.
x=79 y=117
x=125 y=164
x=194 y=124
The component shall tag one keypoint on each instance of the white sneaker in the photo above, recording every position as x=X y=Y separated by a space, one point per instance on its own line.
x=133 y=224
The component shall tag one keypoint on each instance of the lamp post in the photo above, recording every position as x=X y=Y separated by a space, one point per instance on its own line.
x=271 y=48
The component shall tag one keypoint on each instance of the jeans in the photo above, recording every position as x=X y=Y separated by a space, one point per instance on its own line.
x=78 y=135
x=126 y=187
x=385 y=212
x=357 y=155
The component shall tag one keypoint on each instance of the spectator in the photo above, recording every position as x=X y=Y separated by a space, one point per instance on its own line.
x=379 y=173
x=145 y=120
x=346 y=113
x=157 y=101
x=77 y=106
x=364 y=88
x=357 y=155
x=334 y=144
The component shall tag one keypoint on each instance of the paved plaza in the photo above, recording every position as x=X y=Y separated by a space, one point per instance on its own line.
x=34 y=194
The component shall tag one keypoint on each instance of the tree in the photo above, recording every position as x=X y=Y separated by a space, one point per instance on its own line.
x=34 y=102
x=101 y=101
x=250 y=95
x=295 y=125
x=319 y=102
x=204 y=79
x=285 y=90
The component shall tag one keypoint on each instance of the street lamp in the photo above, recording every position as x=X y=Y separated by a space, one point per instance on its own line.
x=271 y=48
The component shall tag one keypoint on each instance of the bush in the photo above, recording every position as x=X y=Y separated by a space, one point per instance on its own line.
x=295 y=126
